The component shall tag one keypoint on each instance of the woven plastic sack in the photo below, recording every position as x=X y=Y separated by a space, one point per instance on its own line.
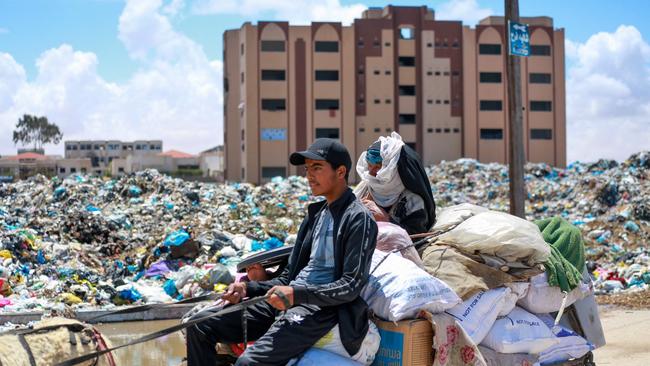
x=478 y=313
x=544 y=298
x=520 y=332
x=571 y=345
x=397 y=289
x=499 y=234
x=319 y=357
x=392 y=237
x=331 y=342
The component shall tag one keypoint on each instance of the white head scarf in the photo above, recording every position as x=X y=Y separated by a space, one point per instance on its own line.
x=387 y=186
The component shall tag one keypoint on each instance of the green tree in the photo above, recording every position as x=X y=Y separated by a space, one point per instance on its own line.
x=37 y=130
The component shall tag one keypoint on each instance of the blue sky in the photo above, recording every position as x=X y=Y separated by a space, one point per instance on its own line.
x=124 y=68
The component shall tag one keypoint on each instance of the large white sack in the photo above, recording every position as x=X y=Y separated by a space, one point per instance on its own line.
x=319 y=357
x=398 y=289
x=453 y=215
x=571 y=345
x=518 y=290
x=500 y=234
x=544 y=298
x=331 y=342
x=477 y=314
x=519 y=332
x=391 y=237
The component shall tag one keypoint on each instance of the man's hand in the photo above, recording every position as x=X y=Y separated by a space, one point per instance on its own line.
x=235 y=292
x=276 y=301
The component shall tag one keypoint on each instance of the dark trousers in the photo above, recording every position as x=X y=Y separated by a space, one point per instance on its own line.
x=277 y=340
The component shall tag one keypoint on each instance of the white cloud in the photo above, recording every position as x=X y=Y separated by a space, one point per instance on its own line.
x=175 y=95
x=293 y=11
x=4 y=30
x=608 y=96
x=468 y=11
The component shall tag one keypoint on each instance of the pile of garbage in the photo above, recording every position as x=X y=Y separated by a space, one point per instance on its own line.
x=92 y=242
x=95 y=242
x=607 y=200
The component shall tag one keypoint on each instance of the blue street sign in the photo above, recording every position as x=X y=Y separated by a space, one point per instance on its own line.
x=519 y=39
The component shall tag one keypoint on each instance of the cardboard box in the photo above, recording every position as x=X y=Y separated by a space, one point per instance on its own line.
x=407 y=343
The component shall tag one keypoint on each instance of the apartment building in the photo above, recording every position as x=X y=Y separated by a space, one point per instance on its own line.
x=102 y=152
x=440 y=84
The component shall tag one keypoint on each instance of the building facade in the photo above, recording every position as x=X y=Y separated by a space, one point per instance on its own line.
x=437 y=83
x=102 y=152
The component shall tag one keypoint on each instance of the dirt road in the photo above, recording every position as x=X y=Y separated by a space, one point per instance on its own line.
x=628 y=338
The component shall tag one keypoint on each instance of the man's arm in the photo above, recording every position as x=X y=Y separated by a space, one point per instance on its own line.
x=359 y=239
x=259 y=288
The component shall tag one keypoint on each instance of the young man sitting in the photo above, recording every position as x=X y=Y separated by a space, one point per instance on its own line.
x=320 y=287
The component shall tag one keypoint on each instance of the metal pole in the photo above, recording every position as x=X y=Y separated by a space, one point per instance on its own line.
x=515 y=121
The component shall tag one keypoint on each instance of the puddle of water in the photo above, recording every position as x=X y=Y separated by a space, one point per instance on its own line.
x=164 y=351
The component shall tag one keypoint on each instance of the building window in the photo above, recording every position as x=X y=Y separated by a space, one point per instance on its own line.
x=437 y=73
x=446 y=130
x=430 y=130
x=241 y=49
x=361 y=100
x=411 y=145
x=273 y=75
x=120 y=169
x=138 y=147
x=438 y=130
x=377 y=129
x=327 y=75
x=429 y=44
x=456 y=44
x=243 y=173
x=438 y=101
x=446 y=73
x=62 y=170
x=361 y=129
x=491 y=105
x=406 y=33
x=429 y=101
x=376 y=72
x=388 y=130
x=82 y=147
x=540 y=50
x=68 y=147
x=327 y=46
x=83 y=170
x=387 y=44
x=387 y=101
x=429 y=73
x=387 y=72
x=490 y=77
x=74 y=147
x=331 y=133
x=541 y=134
x=489 y=49
x=540 y=106
x=408 y=90
x=491 y=134
x=539 y=78
x=273 y=171
x=407 y=61
x=446 y=101
x=376 y=44
x=361 y=72
x=73 y=170
x=360 y=43
x=456 y=130
x=407 y=119
x=377 y=101
x=273 y=104
x=272 y=46
x=241 y=77
x=322 y=104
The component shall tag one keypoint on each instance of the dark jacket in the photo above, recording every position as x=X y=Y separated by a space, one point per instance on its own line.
x=355 y=236
x=415 y=179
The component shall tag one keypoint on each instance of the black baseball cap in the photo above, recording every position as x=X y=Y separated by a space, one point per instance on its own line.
x=329 y=150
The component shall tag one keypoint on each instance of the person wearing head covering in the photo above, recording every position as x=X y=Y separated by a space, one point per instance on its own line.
x=395 y=186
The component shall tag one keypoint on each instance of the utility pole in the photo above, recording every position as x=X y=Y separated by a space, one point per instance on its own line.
x=515 y=120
